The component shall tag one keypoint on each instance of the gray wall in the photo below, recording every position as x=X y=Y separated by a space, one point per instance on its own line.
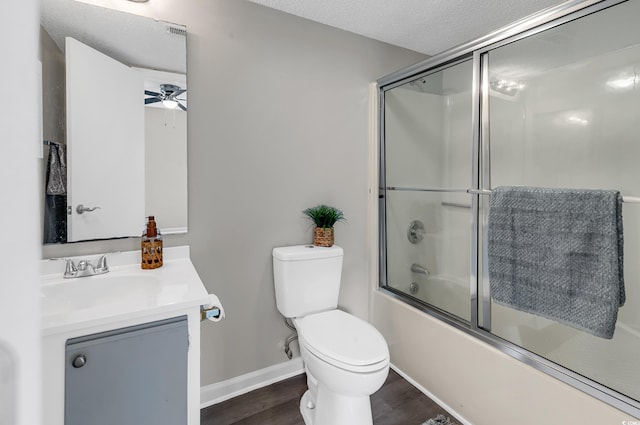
x=277 y=122
x=281 y=126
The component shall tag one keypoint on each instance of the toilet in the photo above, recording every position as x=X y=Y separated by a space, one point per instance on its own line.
x=346 y=359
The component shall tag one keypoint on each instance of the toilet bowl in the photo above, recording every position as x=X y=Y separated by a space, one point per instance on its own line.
x=346 y=360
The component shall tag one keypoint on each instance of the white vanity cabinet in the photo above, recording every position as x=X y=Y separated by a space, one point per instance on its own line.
x=118 y=347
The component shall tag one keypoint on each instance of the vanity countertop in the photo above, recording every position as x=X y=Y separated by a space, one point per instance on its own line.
x=124 y=293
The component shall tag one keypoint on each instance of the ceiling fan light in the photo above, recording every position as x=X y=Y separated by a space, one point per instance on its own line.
x=170 y=103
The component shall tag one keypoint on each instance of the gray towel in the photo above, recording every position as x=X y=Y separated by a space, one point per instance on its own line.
x=56 y=170
x=557 y=253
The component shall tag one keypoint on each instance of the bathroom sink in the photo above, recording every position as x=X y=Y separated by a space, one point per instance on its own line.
x=101 y=291
x=123 y=293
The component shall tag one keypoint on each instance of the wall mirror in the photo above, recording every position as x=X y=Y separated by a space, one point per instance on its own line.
x=114 y=123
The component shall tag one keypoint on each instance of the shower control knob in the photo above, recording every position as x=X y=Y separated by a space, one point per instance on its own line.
x=79 y=361
x=416 y=231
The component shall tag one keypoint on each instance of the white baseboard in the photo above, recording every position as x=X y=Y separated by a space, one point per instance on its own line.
x=426 y=392
x=221 y=391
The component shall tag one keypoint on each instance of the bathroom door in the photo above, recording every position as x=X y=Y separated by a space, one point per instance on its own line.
x=105 y=145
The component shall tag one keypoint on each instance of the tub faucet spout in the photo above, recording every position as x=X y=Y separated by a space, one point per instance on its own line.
x=417 y=268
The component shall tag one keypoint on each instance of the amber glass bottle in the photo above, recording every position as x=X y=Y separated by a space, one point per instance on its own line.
x=151 y=246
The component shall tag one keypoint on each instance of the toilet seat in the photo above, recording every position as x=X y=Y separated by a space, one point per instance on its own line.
x=344 y=340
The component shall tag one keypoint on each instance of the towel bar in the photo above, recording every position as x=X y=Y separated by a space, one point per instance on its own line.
x=625 y=199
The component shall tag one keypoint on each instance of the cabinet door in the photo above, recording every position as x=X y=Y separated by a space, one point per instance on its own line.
x=129 y=376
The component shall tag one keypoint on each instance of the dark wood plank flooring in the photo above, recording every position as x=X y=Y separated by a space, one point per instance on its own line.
x=396 y=403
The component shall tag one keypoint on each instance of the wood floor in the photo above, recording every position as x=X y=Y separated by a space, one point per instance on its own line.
x=396 y=403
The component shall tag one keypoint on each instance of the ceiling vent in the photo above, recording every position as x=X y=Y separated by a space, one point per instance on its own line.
x=176 y=30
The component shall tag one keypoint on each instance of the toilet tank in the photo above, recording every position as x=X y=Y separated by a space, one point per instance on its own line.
x=306 y=278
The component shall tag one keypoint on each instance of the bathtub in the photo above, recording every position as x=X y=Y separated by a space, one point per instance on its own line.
x=612 y=363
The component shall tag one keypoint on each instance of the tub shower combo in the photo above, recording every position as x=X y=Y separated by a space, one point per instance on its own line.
x=549 y=104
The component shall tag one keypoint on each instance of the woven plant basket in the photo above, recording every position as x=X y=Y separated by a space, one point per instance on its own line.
x=323 y=236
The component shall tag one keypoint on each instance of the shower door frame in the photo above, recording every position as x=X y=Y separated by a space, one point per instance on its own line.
x=480 y=323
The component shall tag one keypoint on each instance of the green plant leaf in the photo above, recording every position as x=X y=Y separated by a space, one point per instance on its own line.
x=324 y=215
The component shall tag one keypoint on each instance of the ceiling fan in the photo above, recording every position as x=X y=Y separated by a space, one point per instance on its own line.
x=168 y=96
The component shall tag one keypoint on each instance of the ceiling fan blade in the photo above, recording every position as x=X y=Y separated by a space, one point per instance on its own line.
x=151 y=93
x=151 y=100
x=178 y=92
x=181 y=106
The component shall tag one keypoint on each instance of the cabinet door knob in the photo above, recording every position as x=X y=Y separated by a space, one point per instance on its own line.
x=79 y=361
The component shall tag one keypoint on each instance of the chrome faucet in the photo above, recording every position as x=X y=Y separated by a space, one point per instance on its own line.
x=85 y=268
x=417 y=268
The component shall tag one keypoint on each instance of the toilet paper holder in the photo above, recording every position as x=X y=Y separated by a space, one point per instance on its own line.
x=209 y=313
x=212 y=310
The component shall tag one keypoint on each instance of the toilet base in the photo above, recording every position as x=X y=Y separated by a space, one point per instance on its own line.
x=333 y=409
x=307 y=408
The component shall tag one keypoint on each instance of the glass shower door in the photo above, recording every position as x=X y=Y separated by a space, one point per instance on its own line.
x=427 y=211
x=563 y=112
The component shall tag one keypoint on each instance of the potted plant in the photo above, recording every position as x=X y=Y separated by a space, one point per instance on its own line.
x=324 y=217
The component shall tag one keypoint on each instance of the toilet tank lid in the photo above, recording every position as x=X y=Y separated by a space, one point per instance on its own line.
x=306 y=252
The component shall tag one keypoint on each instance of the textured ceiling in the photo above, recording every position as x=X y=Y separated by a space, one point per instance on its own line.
x=426 y=26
